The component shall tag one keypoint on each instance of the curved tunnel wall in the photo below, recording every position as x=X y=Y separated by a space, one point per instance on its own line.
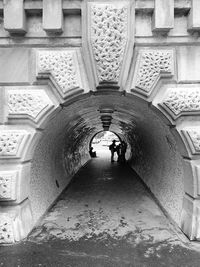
x=156 y=159
x=63 y=149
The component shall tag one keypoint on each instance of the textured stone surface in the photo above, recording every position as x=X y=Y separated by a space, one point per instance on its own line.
x=8 y=186
x=32 y=103
x=6 y=229
x=180 y=101
x=62 y=66
x=10 y=142
x=109 y=28
x=152 y=65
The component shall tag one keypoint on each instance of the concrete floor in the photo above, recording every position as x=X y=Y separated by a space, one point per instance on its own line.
x=106 y=217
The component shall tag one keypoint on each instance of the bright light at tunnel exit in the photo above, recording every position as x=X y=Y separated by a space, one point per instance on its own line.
x=101 y=141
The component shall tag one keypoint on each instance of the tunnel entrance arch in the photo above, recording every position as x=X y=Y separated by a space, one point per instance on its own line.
x=47 y=123
x=61 y=148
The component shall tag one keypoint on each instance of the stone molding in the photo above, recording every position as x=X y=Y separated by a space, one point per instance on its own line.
x=32 y=104
x=190 y=218
x=192 y=136
x=62 y=67
x=8 y=180
x=182 y=101
x=15 y=222
x=151 y=66
x=11 y=143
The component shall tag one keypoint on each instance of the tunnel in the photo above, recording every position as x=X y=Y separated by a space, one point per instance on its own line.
x=153 y=148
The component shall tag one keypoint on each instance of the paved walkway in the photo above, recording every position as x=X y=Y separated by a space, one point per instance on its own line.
x=105 y=218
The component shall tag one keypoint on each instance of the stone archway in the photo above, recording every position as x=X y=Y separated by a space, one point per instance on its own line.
x=124 y=80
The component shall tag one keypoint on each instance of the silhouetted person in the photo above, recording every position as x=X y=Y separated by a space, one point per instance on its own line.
x=118 y=150
x=112 y=148
x=92 y=153
x=123 y=152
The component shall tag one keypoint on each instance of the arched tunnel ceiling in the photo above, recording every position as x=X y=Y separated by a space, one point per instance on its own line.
x=126 y=112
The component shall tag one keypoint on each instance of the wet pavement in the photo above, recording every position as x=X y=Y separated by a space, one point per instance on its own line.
x=106 y=217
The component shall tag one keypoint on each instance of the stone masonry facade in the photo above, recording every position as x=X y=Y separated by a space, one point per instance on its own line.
x=53 y=50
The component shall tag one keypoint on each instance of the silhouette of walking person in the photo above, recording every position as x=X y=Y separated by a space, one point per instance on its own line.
x=112 y=148
x=118 y=150
x=123 y=152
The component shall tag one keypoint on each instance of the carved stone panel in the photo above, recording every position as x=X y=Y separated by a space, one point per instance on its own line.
x=8 y=182
x=63 y=67
x=192 y=136
x=6 y=229
x=10 y=142
x=151 y=65
x=108 y=38
x=28 y=103
x=182 y=101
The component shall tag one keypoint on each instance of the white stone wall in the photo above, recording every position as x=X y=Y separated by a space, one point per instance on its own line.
x=144 y=66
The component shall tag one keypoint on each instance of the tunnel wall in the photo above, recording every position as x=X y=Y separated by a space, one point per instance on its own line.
x=156 y=159
x=60 y=153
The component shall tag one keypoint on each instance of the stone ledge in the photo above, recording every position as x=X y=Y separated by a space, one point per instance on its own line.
x=190 y=218
x=15 y=222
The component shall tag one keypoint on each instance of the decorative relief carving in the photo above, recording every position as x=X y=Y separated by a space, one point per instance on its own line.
x=194 y=135
x=6 y=229
x=153 y=64
x=109 y=29
x=184 y=100
x=31 y=103
x=62 y=66
x=7 y=186
x=10 y=142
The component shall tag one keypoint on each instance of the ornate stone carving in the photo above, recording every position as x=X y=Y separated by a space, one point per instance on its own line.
x=152 y=64
x=184 y=100
x=194 y=135
x=62 y=66
x=10 y=142
x=109 y=29
x=24 y=102
x=7 y=186
x=6 y=229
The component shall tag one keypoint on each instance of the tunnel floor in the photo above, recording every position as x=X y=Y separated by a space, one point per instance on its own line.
x=106 y=217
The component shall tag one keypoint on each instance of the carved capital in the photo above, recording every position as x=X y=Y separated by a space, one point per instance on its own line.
x=180 y=101
x=32 y=104
x=151 y=65
x=62 y=67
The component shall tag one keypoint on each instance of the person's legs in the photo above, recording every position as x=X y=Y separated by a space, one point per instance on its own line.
x=112 y=155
